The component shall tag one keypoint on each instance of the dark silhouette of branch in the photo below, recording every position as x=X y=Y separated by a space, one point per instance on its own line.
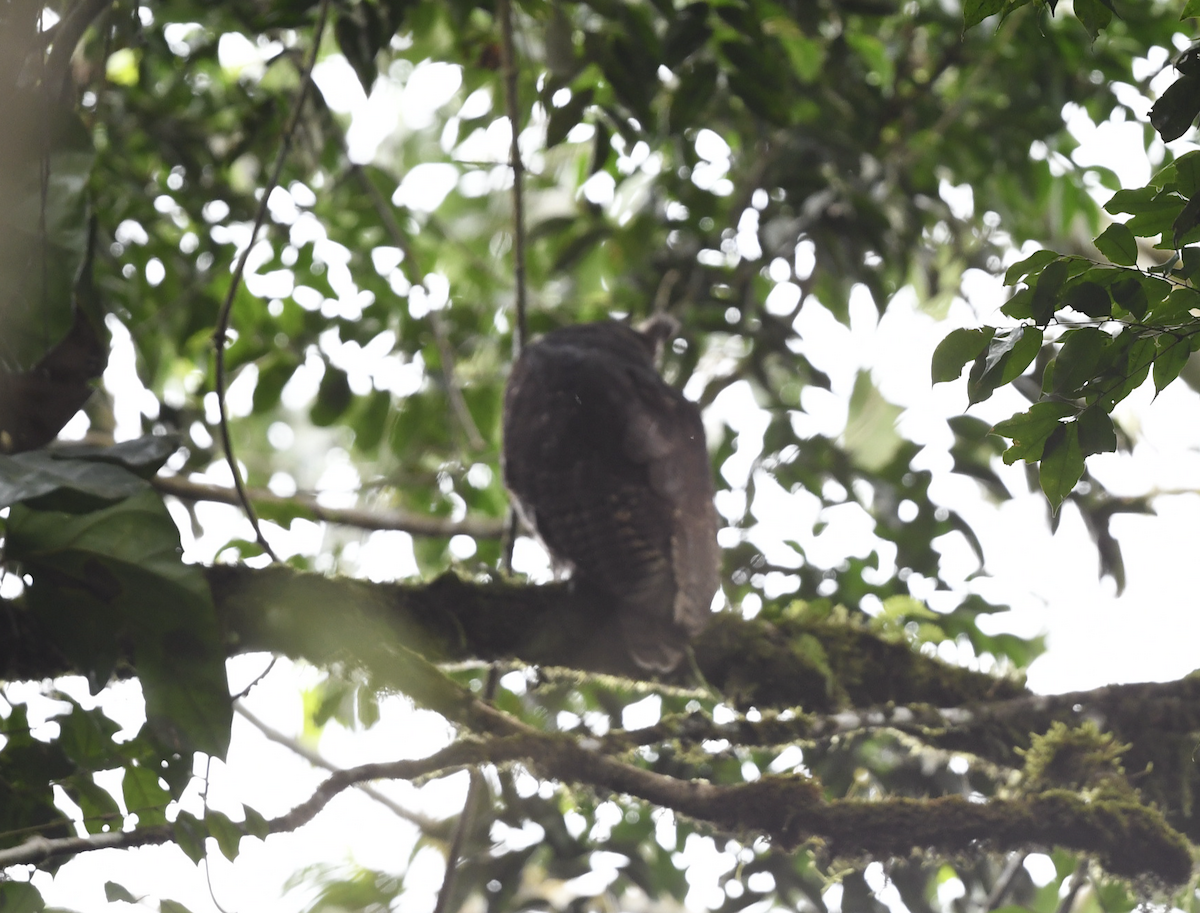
x=67 y=33
x=508 y=62
x=424 y=822
x=1078 y=878
x=1004 y=883
x=416 y=524
x=1130 y=839
x=475 y=793
x=222 y=328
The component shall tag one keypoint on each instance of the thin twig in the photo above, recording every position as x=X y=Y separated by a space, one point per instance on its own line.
x=38 y=849
x=212 y=895
x=1004 y=883
x=416 y=524
x=66 y=36
x=258 y=678
x=1078 y=877
x=222 y=328
x=508 y=61
x=470 y=805
x=413 y=273
x=454 y=853
x=424 y=822
x=508 y=540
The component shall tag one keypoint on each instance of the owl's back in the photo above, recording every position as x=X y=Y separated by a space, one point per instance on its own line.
x=608 y=464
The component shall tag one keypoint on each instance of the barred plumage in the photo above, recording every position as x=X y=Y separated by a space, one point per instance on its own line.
x=608 y=464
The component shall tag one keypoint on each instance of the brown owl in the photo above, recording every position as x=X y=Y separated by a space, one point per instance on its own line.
x=608 y=464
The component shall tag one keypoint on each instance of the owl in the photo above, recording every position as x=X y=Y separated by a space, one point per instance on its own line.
x=607 y=463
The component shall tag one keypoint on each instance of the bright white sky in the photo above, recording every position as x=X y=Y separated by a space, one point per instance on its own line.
x=1051 y=581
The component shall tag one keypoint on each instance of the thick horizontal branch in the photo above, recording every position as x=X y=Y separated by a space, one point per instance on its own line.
x=417 y=524
x=823 y=668
x=1129 y=839
x=751 y=662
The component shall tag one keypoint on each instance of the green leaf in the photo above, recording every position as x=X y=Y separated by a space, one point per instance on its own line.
x=1061 y=465
x=1137 y=200
x=115 y=576
x=1176 y=108
x=1117 y=243
x=1078 y=360
x=20 y=897
x=1138 y=356
x=686 y=34
x=190 y=833
x=697 y=85
x=1088 y=298
x=1030 y=264
x=228 y=834
x=1186 y=168
x=1094 y=14
x=173 y=906
x=145 y=796
x=1188 y=219
x=114 y=892
x=570 y=115
x=1157 y=218
x=975 y=11
x=870 y=436
x=1009 y=353
x=1096 y=431
x=1022 y=353
x=806 y=55
x=1170 y=355
x=333 y=397
x=1189 y=267
x=101 y=814
x=86 y=737
x=143 y=456
x=274 y=372
x=999 y=348
x=1131 y=295
x=255 y=824
x=601 y=147
x=1029 y=430
x=959 y=347
x=1191 y=9
x=1020 y=305
x=44 y=227
x=27 y=476
x=1045 y=293
x=1177 y=307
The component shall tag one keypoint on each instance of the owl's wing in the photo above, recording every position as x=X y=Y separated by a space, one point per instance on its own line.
x=666 y=432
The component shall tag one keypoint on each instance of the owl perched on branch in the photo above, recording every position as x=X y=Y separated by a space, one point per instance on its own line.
x=608 y=464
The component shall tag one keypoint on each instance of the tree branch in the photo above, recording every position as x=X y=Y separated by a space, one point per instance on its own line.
x=417 y=524
x=66 y=36
x=424 y=822
x=512 y=106
x=1130 y=839
x=220 y=332
x=387 y=631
